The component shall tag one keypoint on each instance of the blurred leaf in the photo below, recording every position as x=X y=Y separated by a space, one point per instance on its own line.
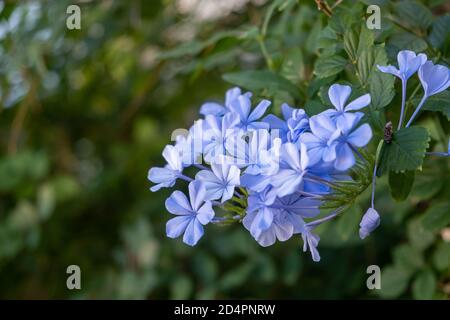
x=441 y=256
x=437 y=216
x=45 y=200
x=393 y=282
x=414 y=14
x=293 y=66
x=424 y=285
x=408 y=258
x=400 y=184
x=257 y=80
x=418 y=236
x=439 y=33
x=181 y=287
x=291 y=269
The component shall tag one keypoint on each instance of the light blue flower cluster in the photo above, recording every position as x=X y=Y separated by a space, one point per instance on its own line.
x=267 y=172
x=434 y=79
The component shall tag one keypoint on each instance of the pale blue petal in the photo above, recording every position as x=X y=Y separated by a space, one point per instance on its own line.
x=178 y=204
x=361 y=136
x=390 y=69
x=193 y=233
x=197 y=193
x=176 y=226
x=358 y=103
x=344 y=157
x=259 y=110
x=212 y=108
x=206 y=213
x=339 y=95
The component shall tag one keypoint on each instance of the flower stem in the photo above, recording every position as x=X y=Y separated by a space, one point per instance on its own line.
x=402 y=112
x=185 y=178
x=417 y=110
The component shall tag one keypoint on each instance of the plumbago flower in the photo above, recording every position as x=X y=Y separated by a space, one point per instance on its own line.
x=271 y=174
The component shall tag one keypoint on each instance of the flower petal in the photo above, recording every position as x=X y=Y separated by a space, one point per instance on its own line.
x=178 y=204
x=176 y=226
x=193 y=233
x=339 y=95
x=358 y=103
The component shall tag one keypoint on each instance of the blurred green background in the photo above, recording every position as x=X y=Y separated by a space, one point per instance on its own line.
x=85 y=113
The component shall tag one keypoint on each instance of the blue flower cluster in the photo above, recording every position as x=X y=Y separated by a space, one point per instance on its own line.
x=434 y=78
x=271 y=173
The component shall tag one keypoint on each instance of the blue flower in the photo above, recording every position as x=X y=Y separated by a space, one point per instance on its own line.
x=321 y=141
x=296 y=207
x=369 y=222
x=166 y=177
x=311 y=241
x=408 y=64
x=434 y=79
x=249 y=120
x=297 y=124
x=339 y=95
x=192 y=214
x=280 y=228
x=351 y=137
x=220 y=182
x=215 y=133
x=292 y=168
x=219 y=110
x=259 y=215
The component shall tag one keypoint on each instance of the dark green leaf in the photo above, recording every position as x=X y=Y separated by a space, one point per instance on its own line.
x=406 y=150
x=424 y=285
x=414 y=14
x=437 y=216
x=400 y=184
x=439 y=102
x=439 y=32
x=393 y=282
x=381 y=86
x=327 y=66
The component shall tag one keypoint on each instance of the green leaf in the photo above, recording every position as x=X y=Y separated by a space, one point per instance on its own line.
x=414 y=14
x=400 y=184
x=406 y=150
x=393 y=282
x=409 y=258
x=368 y=59
x=441 y=256
x=381 y=87
x=256 y=80
x=327 y=65
x=437 y=216
x=356 y=40
x=418 y=236
x=439 y=32
x=293 y=67
x=439 y=102
x=424 y=285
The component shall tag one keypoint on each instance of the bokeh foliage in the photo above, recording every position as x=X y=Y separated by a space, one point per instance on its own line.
x=85 y=113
